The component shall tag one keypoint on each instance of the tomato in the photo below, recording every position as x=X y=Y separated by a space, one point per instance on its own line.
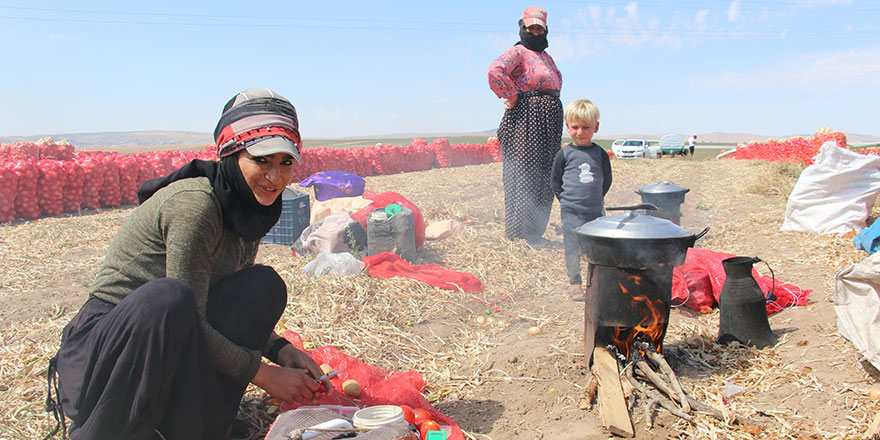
x=427 y=426
x=408 y=414
x=420 y=415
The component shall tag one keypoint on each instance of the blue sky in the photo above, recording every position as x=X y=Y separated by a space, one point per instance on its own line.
x=358 y=68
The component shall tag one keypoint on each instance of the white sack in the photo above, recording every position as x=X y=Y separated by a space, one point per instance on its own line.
x=835 y=194
x=339 y=204
x=857 y=304
x=341 y=263
x=330 y=236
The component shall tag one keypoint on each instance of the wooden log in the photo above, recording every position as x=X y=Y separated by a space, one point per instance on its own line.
x=592 y=388
x=673 y=378
x=612 y=404
x=655 y=379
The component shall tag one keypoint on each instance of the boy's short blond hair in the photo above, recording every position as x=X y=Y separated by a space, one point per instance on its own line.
x=581 y=110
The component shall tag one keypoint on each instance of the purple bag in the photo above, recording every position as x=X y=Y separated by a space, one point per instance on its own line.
x=332 y=184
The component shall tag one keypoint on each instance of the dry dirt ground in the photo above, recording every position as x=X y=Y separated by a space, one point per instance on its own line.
x=496 y=380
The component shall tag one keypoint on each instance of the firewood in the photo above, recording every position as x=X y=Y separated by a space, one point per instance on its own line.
x=612 y=405
x=592 y=388
x=673 y=378
x=655 y=379
x=649 y=412
x=653 y=395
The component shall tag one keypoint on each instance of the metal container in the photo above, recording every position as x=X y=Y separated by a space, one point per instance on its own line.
x=668 y=198
x=631 y=256
x=743 y=306
x=636 y=241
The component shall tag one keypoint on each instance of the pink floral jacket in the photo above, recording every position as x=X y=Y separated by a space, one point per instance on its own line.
x=521 y=70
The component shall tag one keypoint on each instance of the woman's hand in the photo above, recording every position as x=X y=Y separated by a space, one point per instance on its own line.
x=292 y=357
x=511 y=103
x=288 y=384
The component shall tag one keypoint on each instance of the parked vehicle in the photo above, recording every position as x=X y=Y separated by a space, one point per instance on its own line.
x=653 y=149
x=673 y=144
x=628 y=148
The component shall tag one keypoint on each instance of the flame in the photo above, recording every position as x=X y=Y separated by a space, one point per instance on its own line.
x=651 y=325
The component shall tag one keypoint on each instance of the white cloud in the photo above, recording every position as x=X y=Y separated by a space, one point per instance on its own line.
x=817 y=3
x=701 y=21
x=733 y=11
x=857 y=68
x=632 y=11
x=595 y=29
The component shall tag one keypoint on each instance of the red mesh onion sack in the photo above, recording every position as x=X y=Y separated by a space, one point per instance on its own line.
x=93 y=181
x=379 y=387
x=442 y=153
x=50 y=187
x=129 y=169
x=111 y=196
x=25 y=151
x=8 y=181
x=73 y=186
x=27 y=175
x=692 y=288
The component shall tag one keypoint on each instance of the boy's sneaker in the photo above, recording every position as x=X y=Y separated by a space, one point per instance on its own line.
x=576 y=293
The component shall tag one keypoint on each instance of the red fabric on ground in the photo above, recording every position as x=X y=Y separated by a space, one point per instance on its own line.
x=390 y=265
x=379 y=387
x=703 y=266
x=692 y=288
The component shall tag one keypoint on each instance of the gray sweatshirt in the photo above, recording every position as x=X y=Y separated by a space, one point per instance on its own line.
x=580 y=177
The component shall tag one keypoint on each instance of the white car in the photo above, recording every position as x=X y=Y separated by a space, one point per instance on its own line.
x=629 y=148
x=653 y=150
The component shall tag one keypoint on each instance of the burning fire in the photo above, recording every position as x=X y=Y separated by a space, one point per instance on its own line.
x=651 y=326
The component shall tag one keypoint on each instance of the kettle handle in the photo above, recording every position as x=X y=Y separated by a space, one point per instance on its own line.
x=771 y=296
x=646 y=206
x=702 y=233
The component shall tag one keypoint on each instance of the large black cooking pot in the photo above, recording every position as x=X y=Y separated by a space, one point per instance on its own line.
x=636 y=241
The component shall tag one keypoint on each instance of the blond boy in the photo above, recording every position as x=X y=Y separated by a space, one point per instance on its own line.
x=581 y=176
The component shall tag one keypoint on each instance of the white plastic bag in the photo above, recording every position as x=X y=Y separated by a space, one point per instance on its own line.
x=857 y=305
x=835 y=194
x=342 y=263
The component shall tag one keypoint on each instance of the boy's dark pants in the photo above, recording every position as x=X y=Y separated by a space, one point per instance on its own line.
x=572 y=242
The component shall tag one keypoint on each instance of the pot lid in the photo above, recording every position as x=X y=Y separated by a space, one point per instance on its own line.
x=633 y=225
x=662 y=187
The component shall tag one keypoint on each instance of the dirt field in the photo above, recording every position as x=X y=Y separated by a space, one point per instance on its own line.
x=497 y=381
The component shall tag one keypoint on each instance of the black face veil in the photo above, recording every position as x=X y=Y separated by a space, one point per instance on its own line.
x=536 y=43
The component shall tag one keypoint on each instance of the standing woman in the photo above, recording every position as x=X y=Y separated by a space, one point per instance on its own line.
x=530 y=133
x=179 y=316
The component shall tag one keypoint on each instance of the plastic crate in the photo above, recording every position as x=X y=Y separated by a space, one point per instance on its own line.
x=294 y=218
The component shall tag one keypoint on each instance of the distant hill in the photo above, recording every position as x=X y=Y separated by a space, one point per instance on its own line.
x=159 y=138
x=742 y=138
x=122 y=139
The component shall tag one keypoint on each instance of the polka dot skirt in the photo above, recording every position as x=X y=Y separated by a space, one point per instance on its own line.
x=530 y=135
